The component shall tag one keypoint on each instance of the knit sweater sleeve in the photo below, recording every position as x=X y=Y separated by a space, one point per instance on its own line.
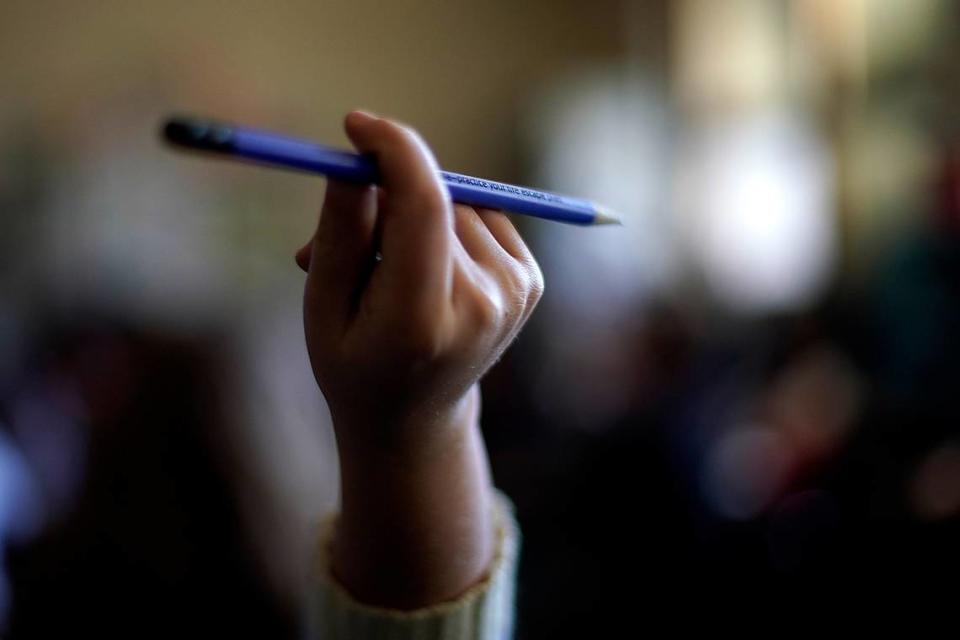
x=484 y=612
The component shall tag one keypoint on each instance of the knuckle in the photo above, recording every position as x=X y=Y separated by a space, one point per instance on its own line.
x=520 y=305
x=537 y=284
x=488 y=311
x=529 y=279
x=519 y=279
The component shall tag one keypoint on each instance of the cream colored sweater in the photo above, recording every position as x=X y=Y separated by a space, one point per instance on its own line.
x=485 y=612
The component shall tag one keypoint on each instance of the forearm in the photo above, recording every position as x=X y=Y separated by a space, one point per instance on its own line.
x=415 y=524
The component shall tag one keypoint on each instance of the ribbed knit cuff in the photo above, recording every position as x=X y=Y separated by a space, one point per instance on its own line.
x=484 y=612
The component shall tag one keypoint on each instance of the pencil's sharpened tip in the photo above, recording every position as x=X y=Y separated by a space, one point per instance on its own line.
x=603 y=215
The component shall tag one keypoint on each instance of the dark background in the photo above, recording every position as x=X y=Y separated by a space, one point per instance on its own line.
x=742 y=402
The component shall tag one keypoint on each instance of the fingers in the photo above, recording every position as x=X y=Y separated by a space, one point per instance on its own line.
x=476 y=238
x=500 y=227
x=338 y=258
x=416 y=215
x=426 y=248
x=500 y=257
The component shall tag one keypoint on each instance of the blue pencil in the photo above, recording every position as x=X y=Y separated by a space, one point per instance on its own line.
x=282 y=151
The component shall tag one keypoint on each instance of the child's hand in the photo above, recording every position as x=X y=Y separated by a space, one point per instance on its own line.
x=397 y=345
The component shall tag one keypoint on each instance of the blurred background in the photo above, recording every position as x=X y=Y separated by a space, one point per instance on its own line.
x=748 y=392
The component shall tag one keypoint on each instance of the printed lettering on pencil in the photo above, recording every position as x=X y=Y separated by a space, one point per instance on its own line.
x=499 y=186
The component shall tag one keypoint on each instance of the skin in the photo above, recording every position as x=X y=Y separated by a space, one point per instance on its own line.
x=398 y=346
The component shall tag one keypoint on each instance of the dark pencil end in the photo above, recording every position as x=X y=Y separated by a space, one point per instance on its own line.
x=195 y=133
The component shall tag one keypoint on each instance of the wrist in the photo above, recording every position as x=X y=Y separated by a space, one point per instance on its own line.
x=404 y=433
x=415 y=526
